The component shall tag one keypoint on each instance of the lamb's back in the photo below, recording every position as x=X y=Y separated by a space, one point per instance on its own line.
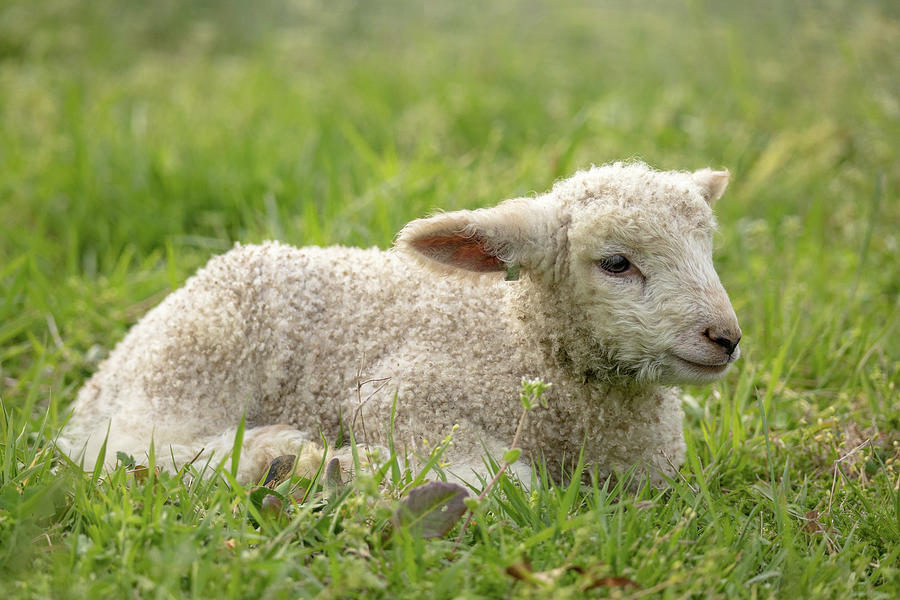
x=337 y=316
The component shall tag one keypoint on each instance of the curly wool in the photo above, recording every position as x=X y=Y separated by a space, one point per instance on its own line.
x=299 y=339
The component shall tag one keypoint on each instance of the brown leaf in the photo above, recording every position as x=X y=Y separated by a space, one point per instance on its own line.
x=523 y=572
x=611 y=582
x=271 y=505
x=140 y=472
x=812 y=524
x=431 y=510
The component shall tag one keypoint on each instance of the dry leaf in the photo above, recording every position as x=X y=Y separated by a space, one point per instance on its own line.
x=430 y=510
x=271 y=504
x=812 y=524
x=612 y=582
x=523 y=572
x=140 y=472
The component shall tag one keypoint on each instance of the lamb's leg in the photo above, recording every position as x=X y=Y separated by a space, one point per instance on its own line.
x=259 y=447
x=262 y=449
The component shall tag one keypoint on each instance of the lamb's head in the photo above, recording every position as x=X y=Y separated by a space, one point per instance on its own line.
x=619 y=258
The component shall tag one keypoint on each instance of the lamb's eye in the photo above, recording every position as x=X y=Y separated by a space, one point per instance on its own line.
x=615 y=264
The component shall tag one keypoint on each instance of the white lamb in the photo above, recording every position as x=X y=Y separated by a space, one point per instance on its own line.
x=617 y=298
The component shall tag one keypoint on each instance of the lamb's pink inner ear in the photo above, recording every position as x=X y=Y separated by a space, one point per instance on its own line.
x=460 y=251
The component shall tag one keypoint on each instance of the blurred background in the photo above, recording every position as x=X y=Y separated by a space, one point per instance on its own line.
x=139 y=138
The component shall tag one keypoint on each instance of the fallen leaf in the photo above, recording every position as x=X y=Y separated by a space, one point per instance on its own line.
x=271 y=505
x=611 y=582
x=812 y=524
x=431 y=510
x=140 y=472
x=523 y=572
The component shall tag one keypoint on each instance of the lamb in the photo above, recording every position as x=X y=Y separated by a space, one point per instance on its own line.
x=616 y=300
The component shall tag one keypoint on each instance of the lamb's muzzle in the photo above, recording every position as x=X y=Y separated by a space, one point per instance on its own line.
x=728 y=339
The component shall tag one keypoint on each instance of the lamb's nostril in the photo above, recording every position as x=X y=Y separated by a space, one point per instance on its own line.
x=727 y=340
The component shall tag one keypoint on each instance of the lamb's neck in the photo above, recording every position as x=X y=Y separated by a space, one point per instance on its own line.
x=566 y=346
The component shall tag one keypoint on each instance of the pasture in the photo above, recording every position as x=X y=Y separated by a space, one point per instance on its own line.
x=139 y=139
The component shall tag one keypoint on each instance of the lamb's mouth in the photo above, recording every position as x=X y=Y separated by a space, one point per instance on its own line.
x=705 y=368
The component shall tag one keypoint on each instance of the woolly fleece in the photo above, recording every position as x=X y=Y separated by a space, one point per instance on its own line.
x=284 y=335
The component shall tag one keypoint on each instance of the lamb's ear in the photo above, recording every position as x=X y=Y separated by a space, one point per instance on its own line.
x=712 y=183
x=484 y=240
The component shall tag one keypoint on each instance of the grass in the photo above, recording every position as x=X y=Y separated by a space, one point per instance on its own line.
x=138 y=139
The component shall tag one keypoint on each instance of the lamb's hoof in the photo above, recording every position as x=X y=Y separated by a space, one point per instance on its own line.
x=279 y=470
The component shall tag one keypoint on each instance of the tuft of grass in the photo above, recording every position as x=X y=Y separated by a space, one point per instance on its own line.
x=129 y=154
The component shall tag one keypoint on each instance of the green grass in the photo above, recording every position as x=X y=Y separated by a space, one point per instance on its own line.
x=137 y=139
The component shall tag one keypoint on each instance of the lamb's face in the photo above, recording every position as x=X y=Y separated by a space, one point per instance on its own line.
x=626 y=255
x=641 y=275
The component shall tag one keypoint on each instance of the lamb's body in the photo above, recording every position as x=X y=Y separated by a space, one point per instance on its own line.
x=286 y=335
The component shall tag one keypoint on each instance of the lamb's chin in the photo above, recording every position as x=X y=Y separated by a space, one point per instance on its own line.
x=679 y=370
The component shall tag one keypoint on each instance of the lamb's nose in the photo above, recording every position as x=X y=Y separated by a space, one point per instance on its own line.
x=726 y=338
